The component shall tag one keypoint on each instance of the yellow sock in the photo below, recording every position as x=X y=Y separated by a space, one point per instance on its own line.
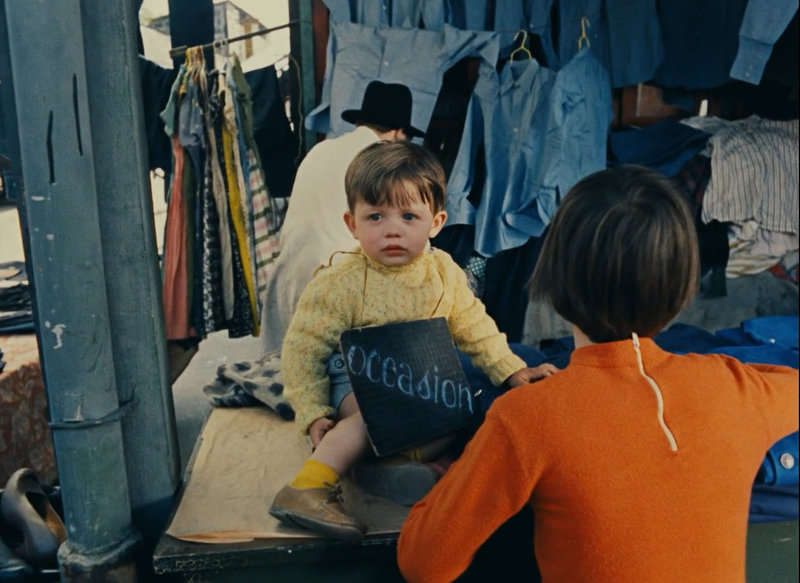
x=414 y=454
x=314 y=474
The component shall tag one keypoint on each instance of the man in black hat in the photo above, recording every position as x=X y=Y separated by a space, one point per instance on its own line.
x=386 y=108
x=313 y=228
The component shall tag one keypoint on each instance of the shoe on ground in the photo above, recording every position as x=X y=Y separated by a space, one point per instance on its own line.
x=317 y=509
x=395 y=478
x=12 y=567
x=31 y=520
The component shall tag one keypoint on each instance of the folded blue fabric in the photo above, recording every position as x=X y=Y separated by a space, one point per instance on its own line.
x=664 y=146
x=478 y=380
x=682 y=338
x=735 y=337
x=773 y=503
x=780 y=330
x=779 y=467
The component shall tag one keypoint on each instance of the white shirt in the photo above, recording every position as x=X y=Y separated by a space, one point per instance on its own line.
x=313 y=228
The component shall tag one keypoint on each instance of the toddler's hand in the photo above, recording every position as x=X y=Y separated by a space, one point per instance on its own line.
x=529 y=375
x=318 y=429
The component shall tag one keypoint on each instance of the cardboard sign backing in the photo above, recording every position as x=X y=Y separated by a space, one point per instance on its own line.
x=408 y=382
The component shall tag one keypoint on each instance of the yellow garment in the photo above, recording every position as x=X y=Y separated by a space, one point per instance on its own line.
x=314 y=474
x=414 y=454
x=356 y=291
x=239 y=223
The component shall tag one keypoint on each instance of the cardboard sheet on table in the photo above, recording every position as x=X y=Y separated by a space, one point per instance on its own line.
x=243 y=457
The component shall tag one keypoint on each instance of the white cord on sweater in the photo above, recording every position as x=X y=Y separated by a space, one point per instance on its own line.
x=659 y=398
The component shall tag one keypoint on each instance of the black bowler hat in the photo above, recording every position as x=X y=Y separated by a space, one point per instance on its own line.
x=386 y=104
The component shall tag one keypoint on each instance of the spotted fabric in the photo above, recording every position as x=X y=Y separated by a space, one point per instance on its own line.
x=251 y=383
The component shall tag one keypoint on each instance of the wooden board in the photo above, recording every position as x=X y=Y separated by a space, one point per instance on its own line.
x=242 y=458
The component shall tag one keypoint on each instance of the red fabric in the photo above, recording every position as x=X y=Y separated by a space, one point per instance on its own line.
x=788 y=274
x=175 y=288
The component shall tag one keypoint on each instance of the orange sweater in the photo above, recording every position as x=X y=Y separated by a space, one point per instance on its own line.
x=612 y=500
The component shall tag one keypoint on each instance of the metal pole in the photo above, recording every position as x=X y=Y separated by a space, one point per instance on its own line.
x=65 y=248
x=302 y=48
x=130 y=255
x=181 y=50
x=9 y=143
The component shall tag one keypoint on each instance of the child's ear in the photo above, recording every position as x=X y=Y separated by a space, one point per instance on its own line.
x=438 y=223
x=350 y=221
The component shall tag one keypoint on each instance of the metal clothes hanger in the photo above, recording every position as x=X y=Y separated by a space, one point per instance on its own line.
x=521 y=46
x=583 y=37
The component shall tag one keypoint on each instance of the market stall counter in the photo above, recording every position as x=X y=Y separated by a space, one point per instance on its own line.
x=221 y=529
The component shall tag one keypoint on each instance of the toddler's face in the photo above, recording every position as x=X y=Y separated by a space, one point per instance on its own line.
x=394 y=235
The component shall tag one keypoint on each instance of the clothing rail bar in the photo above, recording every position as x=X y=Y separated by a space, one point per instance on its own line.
x=181 y=50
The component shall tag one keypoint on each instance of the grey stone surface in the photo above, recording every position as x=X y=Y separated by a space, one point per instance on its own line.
x=751 y=296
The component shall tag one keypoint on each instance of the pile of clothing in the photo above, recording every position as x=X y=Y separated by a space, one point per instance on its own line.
x=740 y=179
x=16 y=307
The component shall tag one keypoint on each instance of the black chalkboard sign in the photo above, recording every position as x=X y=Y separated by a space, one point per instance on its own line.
x=408 y=383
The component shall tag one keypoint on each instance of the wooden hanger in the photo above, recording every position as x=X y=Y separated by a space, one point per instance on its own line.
x=521 y=46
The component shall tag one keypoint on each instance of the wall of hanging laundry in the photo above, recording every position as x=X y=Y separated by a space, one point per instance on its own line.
x=520 y=97
x=221 y=232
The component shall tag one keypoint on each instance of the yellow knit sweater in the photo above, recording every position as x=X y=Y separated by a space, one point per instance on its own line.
x=356 y=291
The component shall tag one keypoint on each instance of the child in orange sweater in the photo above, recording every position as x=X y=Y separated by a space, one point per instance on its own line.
x=638 y=463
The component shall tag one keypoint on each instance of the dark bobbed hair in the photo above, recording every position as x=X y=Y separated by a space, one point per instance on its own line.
x=395 y=173
x=620 y=255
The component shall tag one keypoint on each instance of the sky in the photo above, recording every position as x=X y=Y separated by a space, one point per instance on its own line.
x=269 y=12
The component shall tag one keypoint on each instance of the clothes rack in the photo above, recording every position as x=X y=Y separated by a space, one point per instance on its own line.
x=181 y=50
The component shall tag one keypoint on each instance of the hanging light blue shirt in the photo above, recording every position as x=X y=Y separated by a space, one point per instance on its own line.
x=512 y=16
x=762 y=26
x=541 y=132
x=396 y=13
x=417 y=58
x=624 y=34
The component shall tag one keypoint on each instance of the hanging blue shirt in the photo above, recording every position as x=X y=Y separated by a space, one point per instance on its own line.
x=368 y=13
x=762 y=26
x=511 y=16
x=541 y=132
x=624 y=34
x=396 y=13
x=417 y=58
x=468 y=14
x=700 y=39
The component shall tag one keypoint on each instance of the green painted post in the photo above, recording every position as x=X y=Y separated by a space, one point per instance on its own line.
x=130 y=255
x=91 y=247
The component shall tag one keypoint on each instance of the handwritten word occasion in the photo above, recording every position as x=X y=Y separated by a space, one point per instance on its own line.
x=393 y=374
x=408 y=382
